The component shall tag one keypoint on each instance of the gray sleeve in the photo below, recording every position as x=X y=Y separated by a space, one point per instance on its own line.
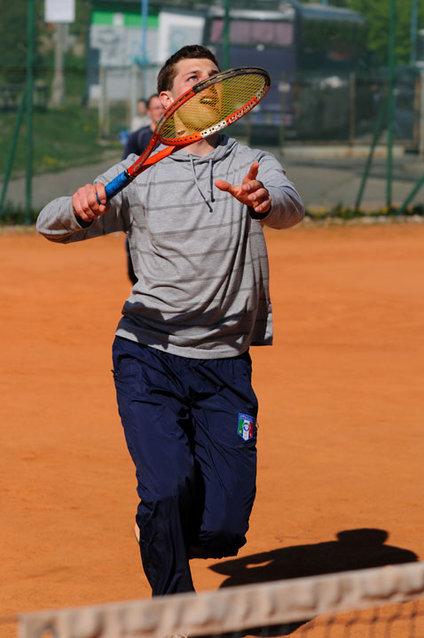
x=287 y=207
x=57 y=221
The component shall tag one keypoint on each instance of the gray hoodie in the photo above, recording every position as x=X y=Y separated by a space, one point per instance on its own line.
x=200 y=258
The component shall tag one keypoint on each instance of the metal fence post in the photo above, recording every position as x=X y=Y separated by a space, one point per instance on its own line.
x=226 y=48
x=352 y=109
x=420 y=182
x=421 y=116
x=377 y=133
x=390 y=109
x=29 y=111
x=58 y=84
x=12 y=151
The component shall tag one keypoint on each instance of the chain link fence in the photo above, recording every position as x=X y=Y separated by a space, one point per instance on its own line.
x=85 y=87
x=312 y=110
x=326 y=110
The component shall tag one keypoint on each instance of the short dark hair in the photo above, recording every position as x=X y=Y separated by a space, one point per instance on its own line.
x=167 y=73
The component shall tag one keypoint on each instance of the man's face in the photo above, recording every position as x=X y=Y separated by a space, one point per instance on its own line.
x=155 y=109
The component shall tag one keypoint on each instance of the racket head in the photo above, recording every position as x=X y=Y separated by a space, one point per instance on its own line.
x=212 y=104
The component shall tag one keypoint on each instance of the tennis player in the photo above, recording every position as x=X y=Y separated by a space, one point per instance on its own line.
x=181 y=359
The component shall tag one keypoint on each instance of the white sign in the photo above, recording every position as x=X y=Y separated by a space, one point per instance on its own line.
x=120 y=46
x=59 y=11
x=176 y=30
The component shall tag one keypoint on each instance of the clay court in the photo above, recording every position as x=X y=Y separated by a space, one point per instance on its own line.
x=341 y=439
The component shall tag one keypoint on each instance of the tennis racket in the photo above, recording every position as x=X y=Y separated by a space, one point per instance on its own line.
x=206 y=108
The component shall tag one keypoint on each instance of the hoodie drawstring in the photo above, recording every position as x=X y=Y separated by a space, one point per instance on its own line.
x=196 y=181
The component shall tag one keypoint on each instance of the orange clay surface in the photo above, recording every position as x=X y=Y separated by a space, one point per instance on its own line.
x=341 y=438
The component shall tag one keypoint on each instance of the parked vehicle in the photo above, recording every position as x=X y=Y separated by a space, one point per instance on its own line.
x=310 y=52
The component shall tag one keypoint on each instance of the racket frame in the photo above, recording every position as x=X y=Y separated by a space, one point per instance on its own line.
x=146 y=160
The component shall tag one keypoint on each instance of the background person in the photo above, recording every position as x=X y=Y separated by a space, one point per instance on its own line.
x=136 y=144
x=138 y=140
x=140 y=118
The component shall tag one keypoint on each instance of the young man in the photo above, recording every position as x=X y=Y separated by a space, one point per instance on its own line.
x=182 y=368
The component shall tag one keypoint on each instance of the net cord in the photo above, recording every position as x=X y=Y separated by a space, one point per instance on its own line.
x=233 y=609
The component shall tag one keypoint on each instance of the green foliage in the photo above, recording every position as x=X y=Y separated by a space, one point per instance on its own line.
x=82 y=18
x=345 y=213
x=13 y=30
x=12 y=215
x=377 y=12
x=14 y=36
x=62 y=138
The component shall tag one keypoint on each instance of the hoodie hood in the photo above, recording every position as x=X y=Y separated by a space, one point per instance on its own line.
x=201 y=167
x=224 y=148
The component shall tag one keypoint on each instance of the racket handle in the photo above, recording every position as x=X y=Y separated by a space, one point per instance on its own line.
x=117 y=184
x=127 y=176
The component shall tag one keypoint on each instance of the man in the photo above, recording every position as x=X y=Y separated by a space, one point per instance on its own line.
x=137 y=143
x=138 y=140
x=141 y=118
x=182 y=367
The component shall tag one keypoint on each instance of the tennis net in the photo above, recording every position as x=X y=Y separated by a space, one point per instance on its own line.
x=385 y=601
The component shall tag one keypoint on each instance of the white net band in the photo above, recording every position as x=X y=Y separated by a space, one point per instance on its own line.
x=232 y=609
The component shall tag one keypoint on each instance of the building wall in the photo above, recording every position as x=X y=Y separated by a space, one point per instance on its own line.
x=121 y=49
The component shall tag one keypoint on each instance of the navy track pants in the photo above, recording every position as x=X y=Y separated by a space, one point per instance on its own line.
x=190 y=427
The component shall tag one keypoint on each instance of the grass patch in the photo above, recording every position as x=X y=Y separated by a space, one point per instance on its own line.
x=345 y=213
x=62 y=138
x=11 y=215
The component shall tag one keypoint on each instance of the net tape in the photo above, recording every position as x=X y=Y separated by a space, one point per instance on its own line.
x=232 y=609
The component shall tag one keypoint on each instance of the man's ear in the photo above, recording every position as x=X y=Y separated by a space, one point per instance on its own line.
x=166 y=99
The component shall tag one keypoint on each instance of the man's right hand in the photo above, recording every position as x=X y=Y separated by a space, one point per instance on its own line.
x=89 y=201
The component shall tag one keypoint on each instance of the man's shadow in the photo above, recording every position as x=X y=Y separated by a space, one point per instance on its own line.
x=353 y=549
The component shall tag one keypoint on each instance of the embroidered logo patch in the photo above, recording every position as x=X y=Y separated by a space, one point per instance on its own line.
x=246 y=426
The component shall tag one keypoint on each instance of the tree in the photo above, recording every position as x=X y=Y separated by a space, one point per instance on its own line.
x=14 y=36
x=377 y=15
x=13 y=29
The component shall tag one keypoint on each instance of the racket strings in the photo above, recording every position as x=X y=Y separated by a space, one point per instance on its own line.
x=213 y=105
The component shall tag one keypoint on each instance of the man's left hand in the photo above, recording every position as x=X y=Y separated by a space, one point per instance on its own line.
x=250 y=192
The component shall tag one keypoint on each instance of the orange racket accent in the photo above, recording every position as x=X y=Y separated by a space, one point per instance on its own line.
x=205 y=109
